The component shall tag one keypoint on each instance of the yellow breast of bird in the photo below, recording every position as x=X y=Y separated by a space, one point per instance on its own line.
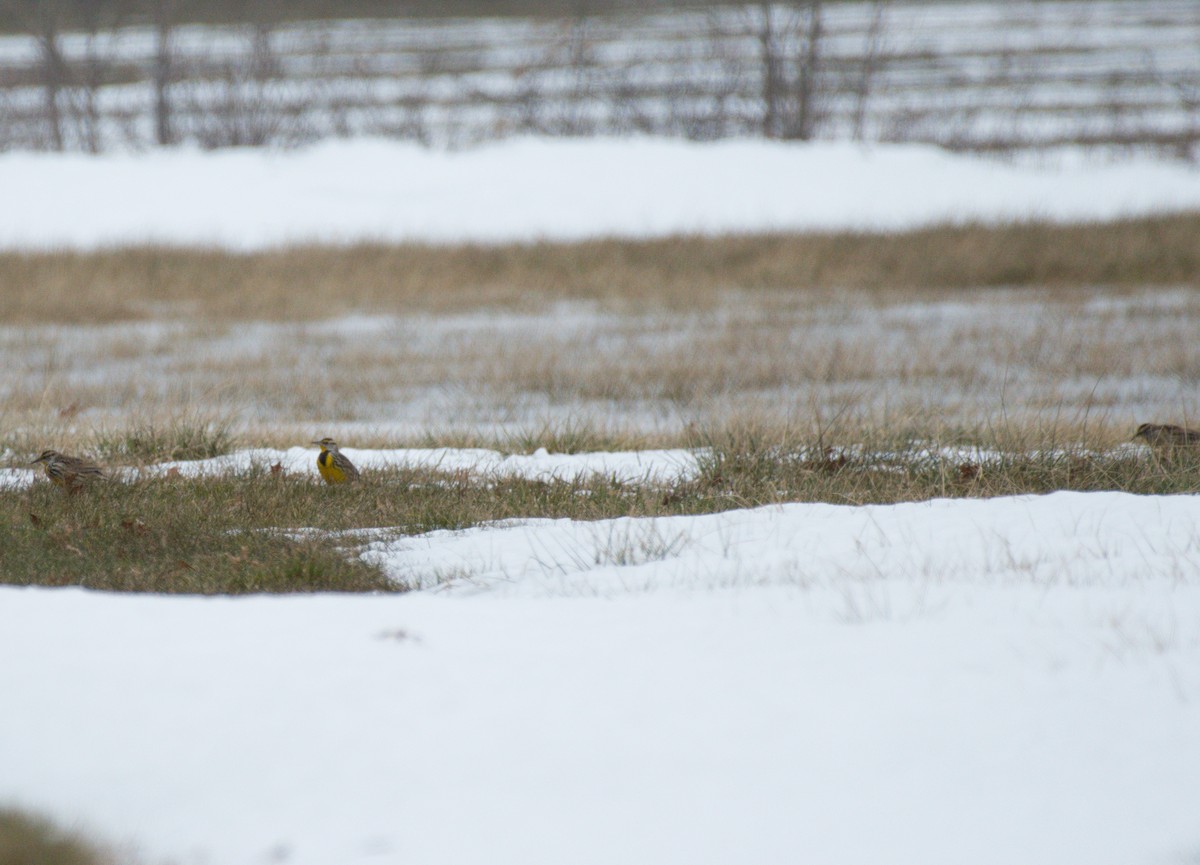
x=330 y=471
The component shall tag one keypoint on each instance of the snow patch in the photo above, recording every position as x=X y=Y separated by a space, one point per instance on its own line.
x=348 y=191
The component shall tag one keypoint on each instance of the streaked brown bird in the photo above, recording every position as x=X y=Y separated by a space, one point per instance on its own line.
x=335 y=467
x=1167 y=435
x=68 y=472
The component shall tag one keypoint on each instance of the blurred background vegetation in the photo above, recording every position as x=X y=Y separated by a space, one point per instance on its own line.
x=98 y=75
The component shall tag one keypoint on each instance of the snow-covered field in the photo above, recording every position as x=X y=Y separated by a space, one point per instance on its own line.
x=850 y=354
x=994 y=681
x=1004 y=681
x=531 y=189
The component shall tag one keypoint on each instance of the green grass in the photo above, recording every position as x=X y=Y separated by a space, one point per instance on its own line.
x=750 y=466
x=27 y=839
x=178 y=535
x=255 y=531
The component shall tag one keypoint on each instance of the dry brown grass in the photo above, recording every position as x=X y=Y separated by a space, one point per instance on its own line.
x=310 y=283
x=248 y=531
x=880 y=358
x=631 y=341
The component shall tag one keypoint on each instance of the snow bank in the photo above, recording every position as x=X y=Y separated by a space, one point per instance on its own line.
x=860 y=553
x=522 y=190
x=624 y=466
x=1011 y=680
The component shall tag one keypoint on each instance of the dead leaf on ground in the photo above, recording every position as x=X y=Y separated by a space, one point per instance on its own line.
x=134 y=525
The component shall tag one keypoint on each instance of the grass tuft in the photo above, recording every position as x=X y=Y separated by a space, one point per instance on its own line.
x=195 y=536
x=567 y=437
x=751 y=464
x=27 y=839
x=312 y=565
x=188 y=436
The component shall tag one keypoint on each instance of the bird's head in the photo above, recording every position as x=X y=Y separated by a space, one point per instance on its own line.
x=327 y=444
x=46 y=456
x=1147 y=431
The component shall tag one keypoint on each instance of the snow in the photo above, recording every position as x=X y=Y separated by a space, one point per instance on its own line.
x=531 y=189
x=1010 y=680
x=622 y=466
x=985 y=681
x=1065 y=539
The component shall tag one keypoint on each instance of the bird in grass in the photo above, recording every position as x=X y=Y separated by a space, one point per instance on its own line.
x=335 y=467
x=1166 y=435
x=70 y=473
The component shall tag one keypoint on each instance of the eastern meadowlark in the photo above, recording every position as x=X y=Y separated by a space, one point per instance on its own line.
x=335 y=467
x=70 y=473
x=1167 y=435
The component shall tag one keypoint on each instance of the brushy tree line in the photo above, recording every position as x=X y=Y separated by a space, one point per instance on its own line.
x=780 y=70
